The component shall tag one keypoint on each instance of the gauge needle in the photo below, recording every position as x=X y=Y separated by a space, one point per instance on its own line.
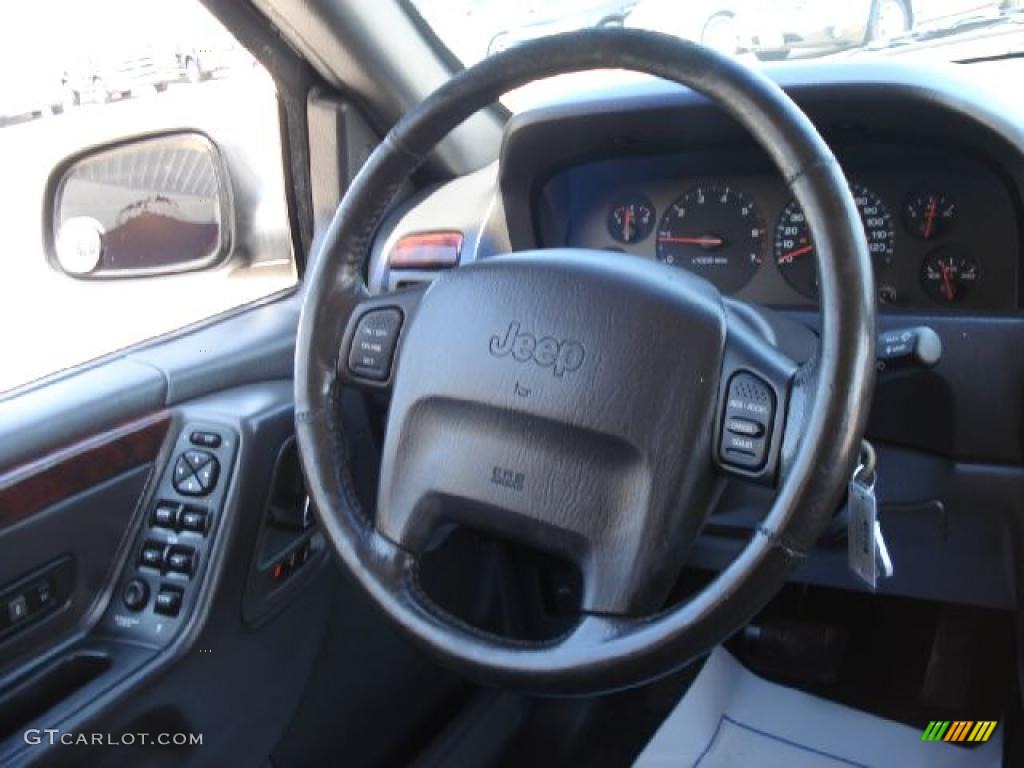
x=947 y=282
x=627 y=225
x=929 y=220
x=790 y=255
x=708 y=241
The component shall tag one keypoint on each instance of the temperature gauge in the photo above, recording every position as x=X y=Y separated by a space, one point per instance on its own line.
x=948 y=274
x=927 y=215
x=631 y=219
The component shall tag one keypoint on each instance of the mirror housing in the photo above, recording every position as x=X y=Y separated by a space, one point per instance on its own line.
x=151 y=206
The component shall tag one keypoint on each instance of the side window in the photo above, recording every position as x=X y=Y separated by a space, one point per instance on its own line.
x=142 y=184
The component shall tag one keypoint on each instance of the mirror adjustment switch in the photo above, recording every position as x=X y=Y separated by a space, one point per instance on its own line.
x=374 y=342
x=195 y=473
x=749 y=413
x=207 y=475
x=190 y=487
x=168 y=600
x=197 y=459
x=182 y=471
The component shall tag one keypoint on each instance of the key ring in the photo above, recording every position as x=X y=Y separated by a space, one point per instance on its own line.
x=865 y=471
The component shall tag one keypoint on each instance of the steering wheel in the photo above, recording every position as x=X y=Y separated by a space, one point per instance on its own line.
x=584 y=403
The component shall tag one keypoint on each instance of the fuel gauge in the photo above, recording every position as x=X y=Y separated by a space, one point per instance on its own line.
x=948 y=274
x=631 y=219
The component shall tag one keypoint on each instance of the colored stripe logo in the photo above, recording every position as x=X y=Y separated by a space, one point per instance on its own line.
x=959 y=730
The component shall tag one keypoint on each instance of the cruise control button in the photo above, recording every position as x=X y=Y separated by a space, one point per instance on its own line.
x=744 y=427
x=749 y=413
x=373 y=343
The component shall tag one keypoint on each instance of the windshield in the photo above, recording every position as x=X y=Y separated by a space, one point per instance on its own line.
x=754 y=31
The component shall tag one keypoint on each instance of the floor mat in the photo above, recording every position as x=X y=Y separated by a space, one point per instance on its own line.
x=731 y=717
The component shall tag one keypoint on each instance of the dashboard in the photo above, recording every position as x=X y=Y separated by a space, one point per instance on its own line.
x=937 y=166
x=940 y=226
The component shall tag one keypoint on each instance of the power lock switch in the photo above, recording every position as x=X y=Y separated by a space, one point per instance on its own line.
x=205 y=439
x=747 y=426
x=374 y=342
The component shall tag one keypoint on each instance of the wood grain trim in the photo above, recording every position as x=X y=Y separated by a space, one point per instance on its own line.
x=31 y=487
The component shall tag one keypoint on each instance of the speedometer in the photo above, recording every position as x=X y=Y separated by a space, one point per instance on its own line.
x=794 y=248
x=716 y=232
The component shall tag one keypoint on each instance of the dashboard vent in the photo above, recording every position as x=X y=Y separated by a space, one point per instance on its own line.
x=426 y=250
x=417 y=258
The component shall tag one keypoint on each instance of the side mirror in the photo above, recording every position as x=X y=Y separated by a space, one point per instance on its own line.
x=148 y=207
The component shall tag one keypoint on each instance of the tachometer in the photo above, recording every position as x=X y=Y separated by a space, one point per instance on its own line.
x=716 y=232
x=794 y=248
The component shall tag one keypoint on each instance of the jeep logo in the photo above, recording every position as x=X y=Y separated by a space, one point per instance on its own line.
x=547 y=352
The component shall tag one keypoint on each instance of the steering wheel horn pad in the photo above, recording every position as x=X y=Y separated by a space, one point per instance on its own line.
x=575 y=400
x=566 y=400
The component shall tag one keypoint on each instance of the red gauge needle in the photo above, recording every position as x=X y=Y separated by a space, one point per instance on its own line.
x=929 y=218
x=790 y=255
x=627 y=225
x=707 y=241
x=947 y=282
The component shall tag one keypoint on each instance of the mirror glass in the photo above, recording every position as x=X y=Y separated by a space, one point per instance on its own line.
x=150 y=207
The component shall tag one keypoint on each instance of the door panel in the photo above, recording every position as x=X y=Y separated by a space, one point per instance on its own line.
x=90 y=650
x=34 y=486
x=85 y=531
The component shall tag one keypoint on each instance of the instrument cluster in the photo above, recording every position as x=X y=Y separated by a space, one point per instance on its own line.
x=941 y=230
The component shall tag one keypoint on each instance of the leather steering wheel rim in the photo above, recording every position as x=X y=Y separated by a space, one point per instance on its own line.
x=824 y=423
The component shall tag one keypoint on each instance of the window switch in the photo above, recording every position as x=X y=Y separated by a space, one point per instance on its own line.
x=194 y=520
x=165 y=515
x=181 y=560
x=168 y=601
x=152 y=555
